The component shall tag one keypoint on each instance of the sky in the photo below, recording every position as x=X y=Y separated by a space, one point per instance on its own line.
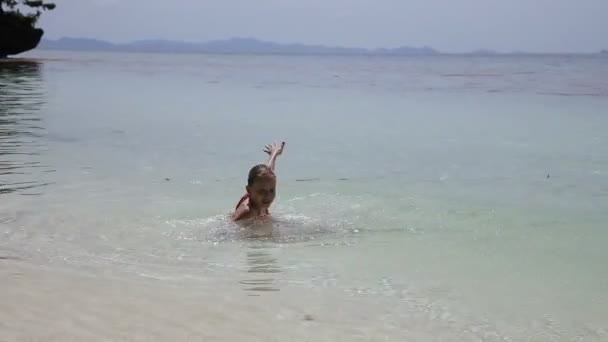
x=447 y=25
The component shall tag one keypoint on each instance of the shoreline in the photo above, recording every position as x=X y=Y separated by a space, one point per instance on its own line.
x=45 y=304
x=42 y=303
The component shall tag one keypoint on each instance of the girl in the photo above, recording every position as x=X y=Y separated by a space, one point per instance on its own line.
x=261 y=187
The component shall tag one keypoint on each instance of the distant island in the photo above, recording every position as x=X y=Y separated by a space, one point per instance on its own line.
x=256 y=46
x=228 y=46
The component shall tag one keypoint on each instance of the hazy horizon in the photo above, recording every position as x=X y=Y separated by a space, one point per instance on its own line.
x=517 y=25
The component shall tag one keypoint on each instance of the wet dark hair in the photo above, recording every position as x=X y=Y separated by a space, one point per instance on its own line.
x=259 y=171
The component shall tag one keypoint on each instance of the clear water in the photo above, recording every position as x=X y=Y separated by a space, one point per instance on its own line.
x=435 y=198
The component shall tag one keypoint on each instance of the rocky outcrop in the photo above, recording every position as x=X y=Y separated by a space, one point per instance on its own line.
x=17 y=34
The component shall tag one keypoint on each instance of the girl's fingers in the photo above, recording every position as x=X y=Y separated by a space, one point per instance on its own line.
x=274 y=147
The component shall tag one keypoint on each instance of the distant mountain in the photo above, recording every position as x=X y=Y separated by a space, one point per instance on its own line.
x=406 y=50
x=76 y=44
x=229 y=46
x=486 y=52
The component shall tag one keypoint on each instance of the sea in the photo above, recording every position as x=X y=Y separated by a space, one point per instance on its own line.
x=420 y=198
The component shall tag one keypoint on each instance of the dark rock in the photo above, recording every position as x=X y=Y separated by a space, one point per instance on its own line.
x=17 y=34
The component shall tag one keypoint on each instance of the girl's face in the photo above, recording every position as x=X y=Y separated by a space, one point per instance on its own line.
x=262 y=192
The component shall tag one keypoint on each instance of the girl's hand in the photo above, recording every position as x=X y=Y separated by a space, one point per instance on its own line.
x=274 y=149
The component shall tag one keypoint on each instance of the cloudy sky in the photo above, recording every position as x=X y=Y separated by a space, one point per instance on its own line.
x=448 y=25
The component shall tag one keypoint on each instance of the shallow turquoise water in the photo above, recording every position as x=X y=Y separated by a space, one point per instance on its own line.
x=472 y=192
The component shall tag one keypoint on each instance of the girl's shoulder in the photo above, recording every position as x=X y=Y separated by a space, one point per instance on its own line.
x=243 y=201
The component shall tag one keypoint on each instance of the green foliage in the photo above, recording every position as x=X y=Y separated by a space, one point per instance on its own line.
x=11 y=4
x=11 y=10
x=39 y=4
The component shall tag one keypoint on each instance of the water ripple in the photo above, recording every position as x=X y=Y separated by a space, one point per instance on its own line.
x=21 y=98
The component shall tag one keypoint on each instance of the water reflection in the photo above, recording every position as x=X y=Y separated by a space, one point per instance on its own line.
x=21 y=98
x=262 y=266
